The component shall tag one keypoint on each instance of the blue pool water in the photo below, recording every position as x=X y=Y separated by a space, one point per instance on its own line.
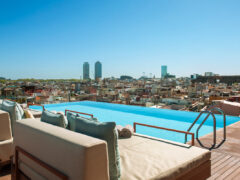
x=125 y=114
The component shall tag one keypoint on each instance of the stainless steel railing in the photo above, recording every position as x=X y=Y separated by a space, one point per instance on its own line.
x=209 y=112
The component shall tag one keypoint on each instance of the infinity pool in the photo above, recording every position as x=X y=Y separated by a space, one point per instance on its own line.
x=125 y=114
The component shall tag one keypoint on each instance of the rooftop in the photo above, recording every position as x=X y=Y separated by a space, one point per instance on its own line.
x=225 y=160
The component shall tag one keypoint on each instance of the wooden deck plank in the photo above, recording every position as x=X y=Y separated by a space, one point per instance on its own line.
x=234 y=171
x=217 y=158
x=221 y=161
x=215 y=155
x=225 y=167
x=226 y=159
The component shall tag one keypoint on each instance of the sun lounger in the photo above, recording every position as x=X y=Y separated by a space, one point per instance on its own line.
x=47 y=151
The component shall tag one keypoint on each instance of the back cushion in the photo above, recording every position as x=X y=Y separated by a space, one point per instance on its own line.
x=20 y=112
x=72 y=117
x=54 y=119
x=105 y=131
x=10 y=107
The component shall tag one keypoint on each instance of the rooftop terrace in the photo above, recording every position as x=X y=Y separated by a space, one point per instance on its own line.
x=225 y=160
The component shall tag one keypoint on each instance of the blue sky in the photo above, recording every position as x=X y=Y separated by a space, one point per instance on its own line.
x=52 y=38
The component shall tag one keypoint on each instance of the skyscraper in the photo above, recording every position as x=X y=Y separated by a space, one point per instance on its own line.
x=163 y=71
x=98 y=70
x=86 y=70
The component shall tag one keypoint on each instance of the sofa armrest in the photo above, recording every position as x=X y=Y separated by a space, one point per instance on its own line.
x=6 y=150
x=76 y=155
x=5 y=126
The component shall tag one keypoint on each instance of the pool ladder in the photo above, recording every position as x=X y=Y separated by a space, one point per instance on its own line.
x=210 y=112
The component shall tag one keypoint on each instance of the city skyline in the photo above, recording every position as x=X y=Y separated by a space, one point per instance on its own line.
x=129 y=37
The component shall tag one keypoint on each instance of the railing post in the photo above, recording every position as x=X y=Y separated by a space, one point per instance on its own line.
x=192 y=139
x=134 y=127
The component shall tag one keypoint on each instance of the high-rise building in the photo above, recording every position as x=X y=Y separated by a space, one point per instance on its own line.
x=98 y=70
x=209 y=74
x=163 y=71
x=86 y=70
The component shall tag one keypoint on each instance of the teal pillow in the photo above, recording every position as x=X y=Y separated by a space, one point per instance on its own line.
x=11 y=108
x=56 y=119
x=20 y=112
x=106 y=131
x=71 y=117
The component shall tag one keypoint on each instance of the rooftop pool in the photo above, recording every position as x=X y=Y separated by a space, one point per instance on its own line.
x=126 y=114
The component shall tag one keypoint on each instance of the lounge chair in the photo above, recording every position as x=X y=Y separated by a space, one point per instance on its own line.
x=6 y=136
x=6 y=139
x=45 y=151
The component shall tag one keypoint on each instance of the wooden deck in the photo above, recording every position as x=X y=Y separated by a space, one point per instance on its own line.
x=226 y=159
x=225 y=163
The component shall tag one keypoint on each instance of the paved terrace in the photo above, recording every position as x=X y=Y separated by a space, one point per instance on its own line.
x=225 y=160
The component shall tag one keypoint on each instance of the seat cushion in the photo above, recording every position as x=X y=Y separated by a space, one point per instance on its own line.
x=54 y=119
x=105 y=131
x=145 y=158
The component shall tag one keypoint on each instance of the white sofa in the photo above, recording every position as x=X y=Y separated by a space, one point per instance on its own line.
x=76 y=156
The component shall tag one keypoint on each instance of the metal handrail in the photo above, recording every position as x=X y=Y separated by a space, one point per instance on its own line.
x=214 y=132
x=167 y=129
x=210 y=112
x=78 y=113
x=200 y=114
x=224 y=125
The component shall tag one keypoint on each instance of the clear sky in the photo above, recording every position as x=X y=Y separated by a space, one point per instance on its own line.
x=52 y=38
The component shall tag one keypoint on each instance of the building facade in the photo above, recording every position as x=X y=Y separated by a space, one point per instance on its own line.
x=209 y=74
x=163 y=71
x=98 y=70
x=86 y=70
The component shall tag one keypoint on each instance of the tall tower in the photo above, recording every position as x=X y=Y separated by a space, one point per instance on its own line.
x=86 y=70
x=163 y=71
x=98 y=70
